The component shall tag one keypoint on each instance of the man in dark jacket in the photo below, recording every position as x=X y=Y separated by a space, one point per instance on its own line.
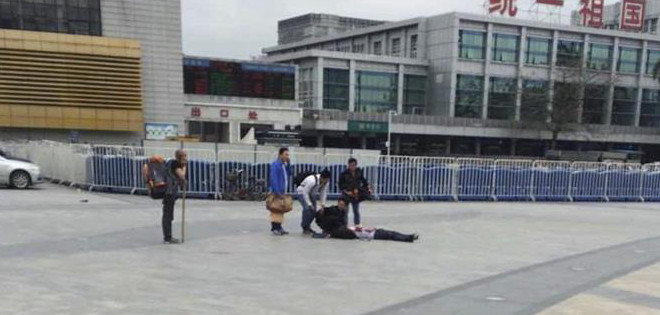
x=354 y=188
x=332 y=220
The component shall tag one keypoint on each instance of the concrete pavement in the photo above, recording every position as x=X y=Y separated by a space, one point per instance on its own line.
x=59 y=255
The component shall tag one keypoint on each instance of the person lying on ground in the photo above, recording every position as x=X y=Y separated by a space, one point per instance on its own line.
x=332 y=220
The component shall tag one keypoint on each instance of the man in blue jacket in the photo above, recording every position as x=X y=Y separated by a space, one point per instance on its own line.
x=279 y=177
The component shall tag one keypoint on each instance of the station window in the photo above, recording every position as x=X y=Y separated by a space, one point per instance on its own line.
x=396 y=47
x=629 y=59
x=538 y=51
x=63 y=16
x=650 y=111
x=569 y=53
x=472 y=44
x=414 y=94
x=376 y=92
x=378 y=48
x=505 y=48
x=335 y=89
x=413 y=46
x=595 y=100
x=653 y=59
x=502 y=98
x=624 y=106
x=469 y=96
x=534 y=100
x=600 y=57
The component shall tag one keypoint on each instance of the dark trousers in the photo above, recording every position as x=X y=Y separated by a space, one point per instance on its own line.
x=168 y=215
x=355 y=204
x=382 y=234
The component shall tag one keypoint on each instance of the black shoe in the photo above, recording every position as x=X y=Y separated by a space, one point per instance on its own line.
x=172 y=241
x=308 y=231
x=320 y=235
x=415 y=237
x=279 y=232
x=284 y=232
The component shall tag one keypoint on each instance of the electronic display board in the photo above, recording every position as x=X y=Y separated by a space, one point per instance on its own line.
x=228 y=78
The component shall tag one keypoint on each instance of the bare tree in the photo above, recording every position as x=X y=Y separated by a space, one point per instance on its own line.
x=580 y=97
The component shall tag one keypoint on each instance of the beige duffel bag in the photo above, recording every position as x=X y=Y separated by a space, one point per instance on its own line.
x=279 y=204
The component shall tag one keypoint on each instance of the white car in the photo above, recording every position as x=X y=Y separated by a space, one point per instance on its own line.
x=18 y=173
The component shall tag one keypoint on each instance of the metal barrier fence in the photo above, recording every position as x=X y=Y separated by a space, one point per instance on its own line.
x=224 y=174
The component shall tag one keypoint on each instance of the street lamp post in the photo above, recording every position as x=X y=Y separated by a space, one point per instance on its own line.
x=389 y=132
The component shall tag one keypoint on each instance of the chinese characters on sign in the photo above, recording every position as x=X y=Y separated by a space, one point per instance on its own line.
x=367 y=126
x=195 y=112
x=224 y=113
x=592 y=13
x=253 y=115
x=559 y=3
x=632 y=15
x=504 y=7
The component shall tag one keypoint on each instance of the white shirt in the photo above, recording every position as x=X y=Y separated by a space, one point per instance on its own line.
x=310 y=186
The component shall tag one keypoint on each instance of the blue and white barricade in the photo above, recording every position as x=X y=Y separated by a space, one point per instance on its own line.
x=651 y=182
x=475 y=179
x=551 y=180
x=589 y=181
x=512 y=180
x=624 y=182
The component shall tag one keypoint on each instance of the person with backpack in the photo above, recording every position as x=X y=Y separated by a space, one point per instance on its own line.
x=310 y=184
x=354 y=188
x=277 y=202
x=163 y=181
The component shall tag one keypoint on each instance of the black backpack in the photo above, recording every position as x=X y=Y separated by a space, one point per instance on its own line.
x=300 y=177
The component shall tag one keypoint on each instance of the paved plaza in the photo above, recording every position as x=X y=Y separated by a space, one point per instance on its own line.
x=64 y=251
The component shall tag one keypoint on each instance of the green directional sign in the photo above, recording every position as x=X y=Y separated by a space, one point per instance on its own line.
x=367 y=126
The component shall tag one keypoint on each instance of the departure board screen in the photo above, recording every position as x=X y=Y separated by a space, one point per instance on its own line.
x=214 y=77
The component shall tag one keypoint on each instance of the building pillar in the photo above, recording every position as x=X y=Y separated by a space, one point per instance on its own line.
x=553 y=67
x=319 y=141
x=489 y=44
x=640 y=79
x=352 y=83
x=514 y=145
x=319 y=84
x=519 y=82
x=397 y=145
x=399 y=95
x=477 y=146
x=610 y=88
x=364 y=143
x=448 y=146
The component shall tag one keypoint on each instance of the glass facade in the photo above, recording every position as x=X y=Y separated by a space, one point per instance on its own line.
x=472 y=44
x=569 y=53
x=469 y=96
x=653 y=59
x=378 y=48
x=624 y=106
x=502 y=98
x=534 y=100
x=595 y=103
x=375 y=92
x=413 y=46
x=650 y=111
x=81 y=17
x=629 y=59
x=539 y=51
x=565 y=103
x=335 y=89
x=600 y=57
x=414 y=94
x=505 y=48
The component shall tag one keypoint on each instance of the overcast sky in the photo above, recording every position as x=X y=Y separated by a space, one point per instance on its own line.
x=240 y=28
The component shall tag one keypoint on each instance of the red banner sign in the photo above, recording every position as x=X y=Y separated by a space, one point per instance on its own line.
x=559 y=3
x=504 y=7
x=253 y=115
x=592 y=12
x=632 y=15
